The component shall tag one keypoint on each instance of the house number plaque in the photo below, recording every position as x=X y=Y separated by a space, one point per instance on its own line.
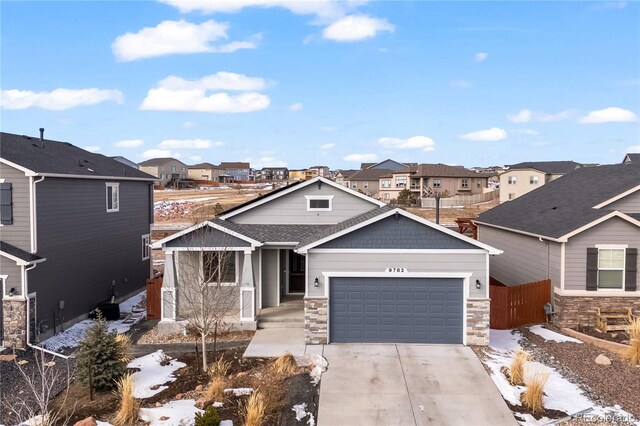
x=396 y=270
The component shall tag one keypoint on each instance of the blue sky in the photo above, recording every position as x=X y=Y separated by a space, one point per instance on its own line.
x=293 y=83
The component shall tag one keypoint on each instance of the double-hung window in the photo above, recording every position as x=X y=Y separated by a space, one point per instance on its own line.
x=611 y=268
x=437 y=183
x=533 y=180
x=113 y=197
x=401 y=181
x=512 y=180
x=465 y=183
x=385 y=183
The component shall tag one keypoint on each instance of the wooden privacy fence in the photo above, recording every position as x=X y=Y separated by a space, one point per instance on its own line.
x=154 y=286
x=518 y=305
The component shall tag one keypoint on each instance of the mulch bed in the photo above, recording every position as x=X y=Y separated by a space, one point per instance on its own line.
x=153 y=337
x=618 y=336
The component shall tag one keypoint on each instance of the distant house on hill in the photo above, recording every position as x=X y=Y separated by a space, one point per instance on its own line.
x=167 y=170
x=273 y=173
x=207 y=171
x=525 y=177
x=238 y=171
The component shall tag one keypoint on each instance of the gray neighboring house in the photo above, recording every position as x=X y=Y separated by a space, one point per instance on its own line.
x=166 y=170
x=582 y=231
x=238 y=171
x=525 y=177
x=361 y=270
x=74 y=231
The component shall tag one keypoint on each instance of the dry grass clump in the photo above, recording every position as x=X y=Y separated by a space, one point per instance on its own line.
x=533 y=394
x=220 y=368
x=285 y=364
x=215 y=389
x=128 y=412
x=124 y=342
x=253 y=410
x=516 y=369
x=633 y=353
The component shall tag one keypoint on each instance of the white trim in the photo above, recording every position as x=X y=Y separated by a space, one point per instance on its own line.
x=261 y=289
x=24 y=170
x=596 y=222
x=406 y=214
x=563 y=259
x=33 y=212
x=172 y=249
x=296 y=187
x=487 y=278
x=329 y=198
x=397 y=251
x=112 y=185
x=160 y=243
x=19 y=261
x=599 y=293
x=62 y=175
x=251 y=290
x=612 y=246
x=282 y=245
x=278 y=278
x=146 y=237
x=617 y=197
x=623 y=269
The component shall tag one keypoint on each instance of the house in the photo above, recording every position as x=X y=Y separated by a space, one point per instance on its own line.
x=341 y=175
x=362 y=271
x=581 y=231
x=167 y=170
x=74 y=231
x=425 y=179
x=238 y=171
x=316 y=171
x=296 y=175
x=367 y=181
x=387 y=164
x=274 y=173
x=207 y=171
x=632 y=158
x=524 y=177
x=126 y=161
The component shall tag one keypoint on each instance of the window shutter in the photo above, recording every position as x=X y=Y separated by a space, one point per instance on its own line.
x=631 y=270
x=592 y=269
x=6 y=204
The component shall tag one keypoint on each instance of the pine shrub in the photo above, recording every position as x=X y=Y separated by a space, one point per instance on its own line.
x=209 y=417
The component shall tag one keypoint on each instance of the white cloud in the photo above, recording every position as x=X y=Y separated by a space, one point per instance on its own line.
x=633 y=149
x=492 y=134
x=328 y=146
x=356 y=27
x=480 y=56
x=415 y=142
x=58 y=99
x=175 y=37
x=609 y=115
x=188 y=124
x=129 y=143
x=296 y=107
x=361 y=157
x=92 y=148
x=460 y=84
x=160 y=153
x=188 y=144
x=265 y=161
x=608 y=5
x=526 y=115
x=178 y=94
x=196 y=158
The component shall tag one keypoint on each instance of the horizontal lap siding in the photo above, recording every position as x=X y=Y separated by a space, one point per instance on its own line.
x=17 y=234
x=628 y=204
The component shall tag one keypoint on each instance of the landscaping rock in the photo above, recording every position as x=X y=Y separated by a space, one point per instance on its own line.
x=199 y=388
x=603 y=360
x=204 y=402
x=89 y=421
x=179 y=396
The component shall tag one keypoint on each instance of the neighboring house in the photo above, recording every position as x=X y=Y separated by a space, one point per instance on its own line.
x=274 y=173
x=167 y=170
x=238 y=171
x=387 y=164
x=315 y=171
x=206 y=171
x=582 y=231
x=126 y=161
x=426 y=179
x=524 y=177
x=341 y=176
x=364 y=272
x=296 y=175
x=632 y=158
x=367 y=181
x=74 y=231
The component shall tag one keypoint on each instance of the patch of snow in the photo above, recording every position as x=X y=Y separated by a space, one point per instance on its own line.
x=547 y=334
x=217 y=404
x=152 y=374
x=226 y=423
x=320 y=365
x=186 y=200
x=301 y=413
x=180 y=412
x=239 y=391
x=100 y=423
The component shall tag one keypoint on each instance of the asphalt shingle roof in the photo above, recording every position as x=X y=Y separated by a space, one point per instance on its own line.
x=443 y=170
x=19 y=253
x=153 y=162
x=273 y=233
x=565 y=204
x=550 y=167
x=62 y=158
x=369 y=174
x=634 y=157
x=206 y=166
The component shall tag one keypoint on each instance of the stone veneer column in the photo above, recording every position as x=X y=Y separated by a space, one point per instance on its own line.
x=573 y=311
x=15 y=323
x=315 y=320
x=478 y=322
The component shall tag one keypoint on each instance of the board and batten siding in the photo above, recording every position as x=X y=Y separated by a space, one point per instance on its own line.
x=87 y=248
x=413 y=262
x=17 y=234
x=292 y=208
x=628 y=204
x=612 y=231
x=524 y=259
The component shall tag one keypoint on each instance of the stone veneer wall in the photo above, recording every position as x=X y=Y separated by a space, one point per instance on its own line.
x=315 y=320
x=15 y=323
x=572 y=311
x=478 y=322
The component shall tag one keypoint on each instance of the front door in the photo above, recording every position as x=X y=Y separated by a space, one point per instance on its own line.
x=296 y=272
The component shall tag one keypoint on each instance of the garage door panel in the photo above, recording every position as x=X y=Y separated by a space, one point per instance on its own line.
x=401 y=310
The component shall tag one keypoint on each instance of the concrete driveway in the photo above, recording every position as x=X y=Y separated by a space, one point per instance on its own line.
x=408 y=385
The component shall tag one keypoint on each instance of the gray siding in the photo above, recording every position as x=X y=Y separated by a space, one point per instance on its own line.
x=628 y=204
x=207 y=237
x=19 y=233
x=525 y=259
x=269 y=278
x=394 y=233
x=613 y=231
x=9 y=268
x=292 y=208
x=555 y=250
x=87 y=248
x=414 y=262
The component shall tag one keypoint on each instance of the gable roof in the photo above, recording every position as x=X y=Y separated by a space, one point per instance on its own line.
x=566 y=204
x=62 y=159
x=444 y=170
x=154 y=162
x=388 y=164
x=632 y=157
x=549 y=167
x=346 y=172
x=369 y=174
x=234 y=165
x=19 y=256
x=205 y=166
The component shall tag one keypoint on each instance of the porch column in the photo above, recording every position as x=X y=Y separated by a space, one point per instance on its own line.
x=247 y=290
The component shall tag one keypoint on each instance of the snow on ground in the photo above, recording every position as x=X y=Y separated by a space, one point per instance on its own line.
x=181 y=412
x=186 y=200
x=547 y=334
x=560 y=394
x=73 y=335
x=239 y=391
x=301 y=413
x=147 y=381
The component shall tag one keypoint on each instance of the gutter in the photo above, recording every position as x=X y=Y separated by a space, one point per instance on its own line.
x=530 y=234
x=34 y=213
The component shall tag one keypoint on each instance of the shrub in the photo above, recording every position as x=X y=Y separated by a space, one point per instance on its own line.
x=285 y=364
x=215 y=389
x=533 y=394
x=100 y=353
x=128 y=412
x=209 y=417
x=254 y=410
x=516 y=369
x=220 y=368
x=124 y=342
x=633 y=353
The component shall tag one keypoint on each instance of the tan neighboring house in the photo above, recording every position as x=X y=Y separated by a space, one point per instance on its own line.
x=525 y=177
x=315 y=171
x=297 y=175
x=207 y=171
x=165 y=169
x=340 y=177
x=367 y=179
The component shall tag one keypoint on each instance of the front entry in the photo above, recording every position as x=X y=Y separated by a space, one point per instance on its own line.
x=296 y=273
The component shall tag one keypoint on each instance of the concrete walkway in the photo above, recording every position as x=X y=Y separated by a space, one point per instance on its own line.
x=408 y=385
x=273 y=342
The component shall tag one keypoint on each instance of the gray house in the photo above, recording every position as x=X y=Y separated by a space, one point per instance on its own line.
x=582 y=231
x=361 y=270
x=74 y=230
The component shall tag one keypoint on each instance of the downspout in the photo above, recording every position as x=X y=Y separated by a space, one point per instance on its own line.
x=34 y=216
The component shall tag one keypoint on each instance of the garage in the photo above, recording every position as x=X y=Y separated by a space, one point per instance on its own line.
x=396 y=310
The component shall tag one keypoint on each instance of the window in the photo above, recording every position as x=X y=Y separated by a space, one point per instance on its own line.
x=611 y=268
x=512 y=180
x=401 y=181
x=478 y=183
x=219 y=267
x=184 y=169
x=319 y=202
x=9 y=290
x=173 y=169
x=512 y=195
x=145 y=247
x=6 y=204
x=533 y=180
x=113 y=197
x=465 y=183
x=366 y=185
x=354 y=185
x=437 y=183
x=385 y=183
x=386 y=196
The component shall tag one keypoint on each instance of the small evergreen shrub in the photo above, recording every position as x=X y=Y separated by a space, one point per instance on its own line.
x=209 y=417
